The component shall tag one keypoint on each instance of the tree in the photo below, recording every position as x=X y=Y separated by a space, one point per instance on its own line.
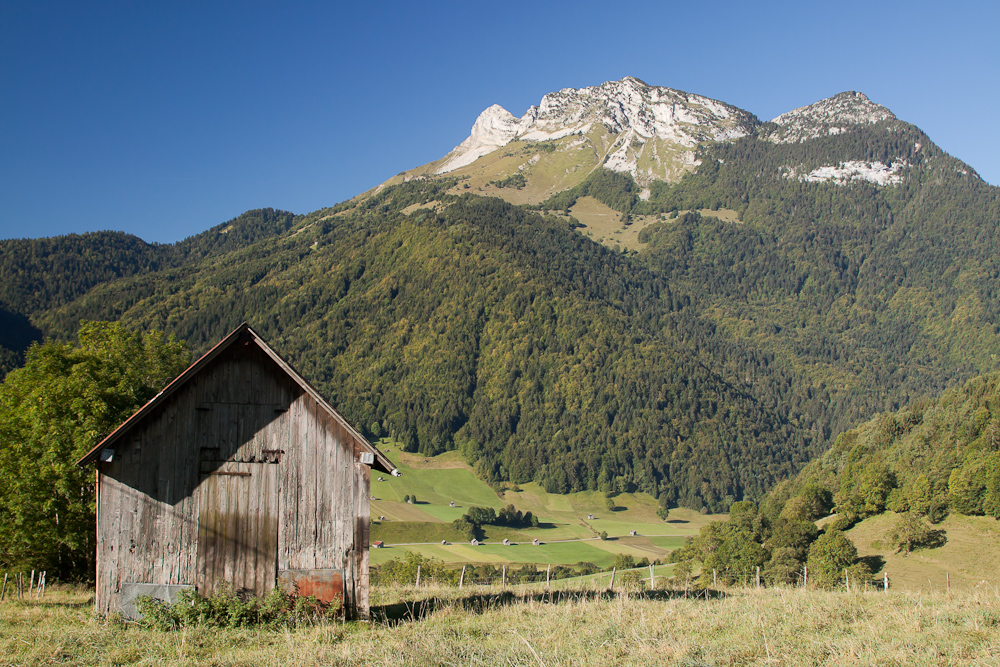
x=52 y=411
x=829 y=556
x=911 y=533
x=817 y=501
x=625 y=561
x=785 y=567
x=794 y=535
x=482 y=516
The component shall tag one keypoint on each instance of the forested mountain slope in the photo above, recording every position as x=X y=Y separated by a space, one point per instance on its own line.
x=860 y=275
x=41 y=274
x=872 y=295
x=939 y=455
x=484 y=326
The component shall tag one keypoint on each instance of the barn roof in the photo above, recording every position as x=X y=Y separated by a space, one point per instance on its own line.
x=244 y=335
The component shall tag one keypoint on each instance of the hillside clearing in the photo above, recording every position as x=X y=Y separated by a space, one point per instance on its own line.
x=969 y=559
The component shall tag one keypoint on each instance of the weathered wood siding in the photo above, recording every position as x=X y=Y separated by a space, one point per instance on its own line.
x=238 y=474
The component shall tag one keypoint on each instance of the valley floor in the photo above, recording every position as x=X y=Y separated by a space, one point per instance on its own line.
x=487 y=626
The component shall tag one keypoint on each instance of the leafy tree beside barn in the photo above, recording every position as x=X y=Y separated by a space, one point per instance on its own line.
x=52 y=411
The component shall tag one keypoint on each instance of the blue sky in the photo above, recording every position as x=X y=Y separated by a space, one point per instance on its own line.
x=163 y=119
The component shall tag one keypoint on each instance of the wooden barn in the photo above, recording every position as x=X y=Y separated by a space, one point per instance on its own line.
x=237 y=472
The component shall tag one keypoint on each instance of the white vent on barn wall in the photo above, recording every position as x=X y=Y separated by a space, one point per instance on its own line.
x=367 y=458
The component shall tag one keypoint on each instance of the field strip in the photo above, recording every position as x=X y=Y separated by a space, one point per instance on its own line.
x=483 y=543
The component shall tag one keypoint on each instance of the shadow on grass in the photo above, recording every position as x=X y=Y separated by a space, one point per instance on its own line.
x=403 y=612
x=51 y=604
x=874 y=563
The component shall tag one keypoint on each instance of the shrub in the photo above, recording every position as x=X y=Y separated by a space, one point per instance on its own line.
x=829 y=556
x=911 y=533
x=625 y=561
x=228 y=608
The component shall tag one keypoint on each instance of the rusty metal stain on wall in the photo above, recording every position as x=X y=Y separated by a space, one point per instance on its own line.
x=323 y=584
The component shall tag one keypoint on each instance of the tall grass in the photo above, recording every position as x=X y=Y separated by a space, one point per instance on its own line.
x=490 y=626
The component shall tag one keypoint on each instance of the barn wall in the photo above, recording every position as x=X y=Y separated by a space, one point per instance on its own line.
x=240 y=410
x=320 y=504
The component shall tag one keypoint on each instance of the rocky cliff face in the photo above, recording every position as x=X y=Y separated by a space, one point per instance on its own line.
x=652 y=133
x=830 y=116
x=647 y=131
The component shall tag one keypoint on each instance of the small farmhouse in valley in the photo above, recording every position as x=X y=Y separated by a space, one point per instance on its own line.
x=237 y=473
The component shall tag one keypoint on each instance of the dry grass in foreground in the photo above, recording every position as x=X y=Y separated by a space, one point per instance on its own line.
x=491 y=627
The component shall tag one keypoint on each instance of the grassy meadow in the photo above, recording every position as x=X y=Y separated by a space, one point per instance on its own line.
x=969 y=559
x=522 y=626
x=566 y=533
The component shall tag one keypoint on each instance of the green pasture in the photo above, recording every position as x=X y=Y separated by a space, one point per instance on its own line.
x=968 y=560
x=437 y=481
x=599 y=552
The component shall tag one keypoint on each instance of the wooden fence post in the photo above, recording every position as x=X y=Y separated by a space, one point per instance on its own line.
x=40 y=592
x=31 y=583
x=758 y=576
x=418 y=577
x=805 y=575
x=847 y=582
x=614 y=571
x=461 y=579
x=3 y=592
x=548 y=577
x=652 y=578
x=503 y=580
x=715 y=581
x=885 y=581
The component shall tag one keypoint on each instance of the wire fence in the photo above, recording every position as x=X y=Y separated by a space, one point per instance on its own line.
x=13 y=587
x=416 y=573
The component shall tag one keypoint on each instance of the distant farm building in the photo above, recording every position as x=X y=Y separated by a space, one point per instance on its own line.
x=238 y=473
x=377 y=544
x=535 y=542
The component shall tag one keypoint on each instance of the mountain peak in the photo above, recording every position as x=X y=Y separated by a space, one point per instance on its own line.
x=830 y=116
x=647 y=131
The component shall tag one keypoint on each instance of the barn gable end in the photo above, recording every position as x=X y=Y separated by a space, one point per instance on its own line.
x=237 y=472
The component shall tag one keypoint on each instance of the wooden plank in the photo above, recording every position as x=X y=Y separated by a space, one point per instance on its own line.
x=233 y=495
x=158 y=502
x=256 y=508
x=267 y=532
x=241 y=493
x=325 y=516
x=184 y=487
x=204 y=541
x=307 y=492
x=345 y=501
x=362 y=515
x=288 y=485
